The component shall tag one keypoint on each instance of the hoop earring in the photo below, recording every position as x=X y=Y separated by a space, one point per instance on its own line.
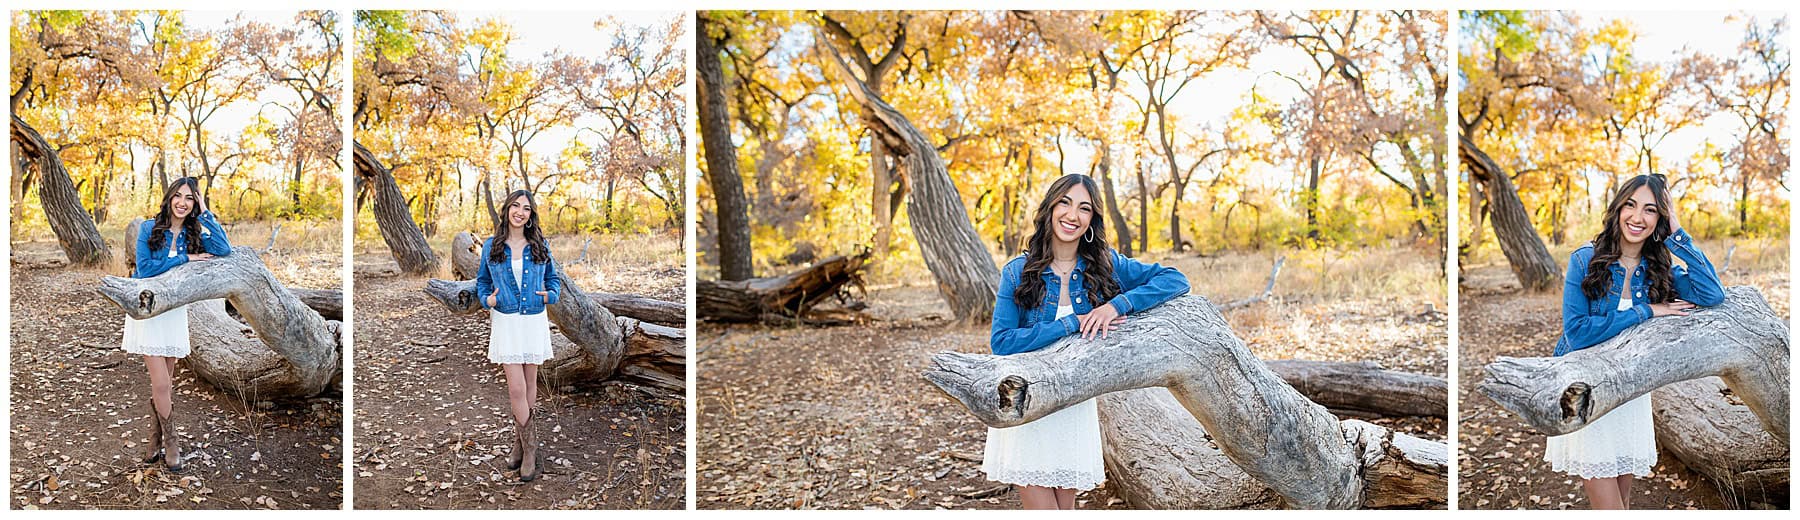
x=1088 y=236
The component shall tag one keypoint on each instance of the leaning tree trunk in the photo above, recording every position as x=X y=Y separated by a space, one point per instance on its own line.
x=600 y=345
x=784 y=299
x=298 y=352
x=1701 y=423
x=721 y=158
x=1272 y=432
x=965 y=272
x=73 y=226
x=1742 y=341
x=465 y=259
x=398 y=230
x=1530 y=261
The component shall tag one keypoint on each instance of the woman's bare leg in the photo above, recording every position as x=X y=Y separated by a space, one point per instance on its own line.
x=531 y=385
x=161 y=396
x=1065 y=498
x=1625 y=490
x=1602 y=493
x=1037 y=497
x=517 y=392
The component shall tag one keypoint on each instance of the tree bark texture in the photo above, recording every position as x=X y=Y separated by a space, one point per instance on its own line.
x=395 y=221
x=1276 y=435
x=73 y=226
x=786 y=298
x=1519 y=240
x=1709 y=429
x=732 y=207
x=1742 y=341
x=1365 y=388
x=965 y=271
x=297 y=353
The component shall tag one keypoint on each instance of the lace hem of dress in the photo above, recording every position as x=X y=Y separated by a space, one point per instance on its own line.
x=1061 y=478
x=518 y=359
x=162 y=351
x=1606 y=469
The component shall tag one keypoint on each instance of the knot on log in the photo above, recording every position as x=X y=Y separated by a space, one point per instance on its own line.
x=1575 y=402
x=1014 y=395
x=146 y=300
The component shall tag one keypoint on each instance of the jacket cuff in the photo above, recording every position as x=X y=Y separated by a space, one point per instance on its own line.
x=1070 y=324
x=1122 y=304
x=1643 y=311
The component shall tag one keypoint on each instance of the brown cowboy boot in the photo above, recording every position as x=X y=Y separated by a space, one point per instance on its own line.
x=528 y=467
x=171 y=451
x=517 y=454
x=153 y=447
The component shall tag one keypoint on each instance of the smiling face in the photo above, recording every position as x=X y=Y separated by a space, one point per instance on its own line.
x=518 y=213
x=1070 y=217
x=1638 y=216
x=182 y=204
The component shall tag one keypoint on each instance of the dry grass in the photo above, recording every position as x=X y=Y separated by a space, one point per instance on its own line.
x=304 y=254
x=650 y=264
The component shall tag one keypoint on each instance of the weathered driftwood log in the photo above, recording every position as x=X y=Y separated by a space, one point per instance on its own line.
x=1272 y=432
x=1159 y=457
x=1364 y=388
x=786 y=298
x=1741 y=341
x=288 y=351
x=329 y=303
x=1714 y=434
x=465 y=258
x=601 y=345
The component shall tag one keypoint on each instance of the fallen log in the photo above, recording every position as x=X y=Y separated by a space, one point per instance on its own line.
x=601 y=345
x=465 y=259
x=329 y=303
x=1159 y=457
x=1260 y=423
x=1711 y=431
x=1742 y=341
x=1364 y=388
x=287 y=350
x=784 y=299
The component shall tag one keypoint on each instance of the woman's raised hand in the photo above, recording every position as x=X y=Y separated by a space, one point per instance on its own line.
x=1101 y=320
x=1673 y=308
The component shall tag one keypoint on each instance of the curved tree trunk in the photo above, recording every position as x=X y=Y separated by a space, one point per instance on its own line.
x=1265 y=427
x=398 y=230
x=1158 y=456
x=73 y=226
x=1701 y=423
x=965 y=272
x=1742 y=341
x=600 y=345
x=732 y=207
x=1530 y=261
x=465 y=259
x=298 y=353
x=783 y=299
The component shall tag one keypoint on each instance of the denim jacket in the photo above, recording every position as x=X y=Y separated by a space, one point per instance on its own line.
x=517 y=296
x=174 y=252
x=1590 y=322
x=1018 y=328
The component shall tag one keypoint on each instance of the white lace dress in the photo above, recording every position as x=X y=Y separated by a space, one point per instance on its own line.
x=1622 y=442
x=518 y=338
x=1060 y=450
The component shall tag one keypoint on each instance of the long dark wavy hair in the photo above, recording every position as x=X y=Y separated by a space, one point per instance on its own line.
x=190 y=226
x=1654 y=256
x=540 y=253
x=1091 y=247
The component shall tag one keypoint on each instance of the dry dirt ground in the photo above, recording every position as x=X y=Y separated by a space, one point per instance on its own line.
x=433 y=427
x=1500 y=459
x=840 y=418
x=80 y=407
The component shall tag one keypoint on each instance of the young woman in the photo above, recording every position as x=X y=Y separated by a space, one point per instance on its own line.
x=183 y=231
x=519 y=278
x=1600 y=300
x=1069 y=281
